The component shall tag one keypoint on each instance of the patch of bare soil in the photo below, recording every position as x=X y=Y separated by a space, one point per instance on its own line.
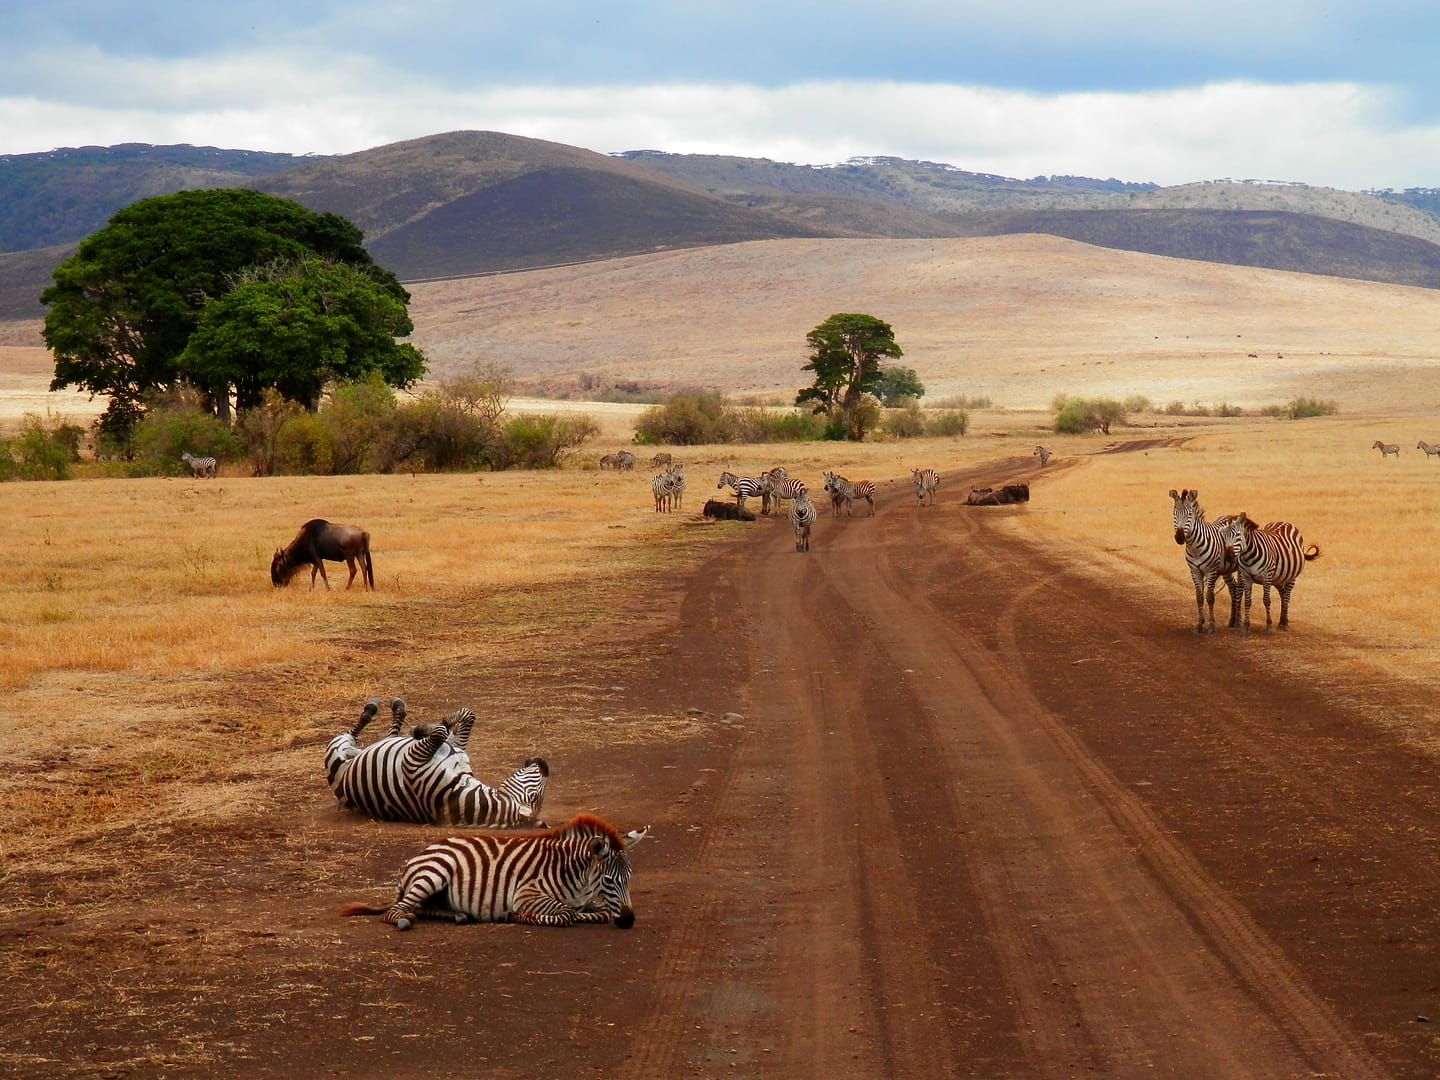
x=982 y=818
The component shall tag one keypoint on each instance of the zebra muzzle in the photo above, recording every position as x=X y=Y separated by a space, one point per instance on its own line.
x=625 y=919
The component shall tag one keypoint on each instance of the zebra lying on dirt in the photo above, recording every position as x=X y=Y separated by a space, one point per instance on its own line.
x=578 y=873
x=423 y=776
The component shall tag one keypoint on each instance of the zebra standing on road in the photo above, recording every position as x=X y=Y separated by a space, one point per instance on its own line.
x=1430 y=451
x=1208 y=557
x=927 y=481
x=1044 y=455
x=425 y=777
x=200 y=466
x=748 y=487
x=576 y=874
x=843 y=491
x=1272 y=556
x=1386 y=449
x=802 y=519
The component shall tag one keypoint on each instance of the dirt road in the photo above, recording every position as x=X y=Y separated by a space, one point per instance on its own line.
x=983 y=817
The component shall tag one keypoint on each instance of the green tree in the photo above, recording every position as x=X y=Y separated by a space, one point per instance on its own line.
x=897 y=385
x=295 y=326
x=845 y=354
x=123 y=306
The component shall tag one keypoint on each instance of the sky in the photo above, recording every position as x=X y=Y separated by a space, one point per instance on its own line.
x=1335 y=93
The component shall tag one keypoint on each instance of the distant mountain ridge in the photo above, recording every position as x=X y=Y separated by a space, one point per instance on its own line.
x=468 y=202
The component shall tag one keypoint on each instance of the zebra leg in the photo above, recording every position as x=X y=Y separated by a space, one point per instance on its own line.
x=1232 y=586
x=344 y=747
x=460 y=723
x=1284 y=591
x=1247 y=590
x=537 y=909
x=1265 y=592
x=397 y=715
x=1198 y=577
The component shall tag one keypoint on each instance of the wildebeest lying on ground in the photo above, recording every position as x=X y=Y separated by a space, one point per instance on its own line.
x=1010 y=493
x=317 y=541
x=727 y=511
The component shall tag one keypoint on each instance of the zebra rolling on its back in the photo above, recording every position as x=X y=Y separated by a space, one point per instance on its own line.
x=927 y=481
x=1208 y=557
x=200 y=466
x=1386 y=449
x=1272 y=556
x=578 y=873
x=425 y=777
x=802 y=519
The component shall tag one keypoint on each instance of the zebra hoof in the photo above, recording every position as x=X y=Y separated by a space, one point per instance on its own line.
x=403 y=924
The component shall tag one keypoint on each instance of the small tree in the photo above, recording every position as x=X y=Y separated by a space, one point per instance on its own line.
x=845 y=354
x=1077 y=415
x=898 y=385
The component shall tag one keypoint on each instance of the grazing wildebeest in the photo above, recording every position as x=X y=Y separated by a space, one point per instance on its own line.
x=1010 y=493
x=317 y=541
x=726 y=511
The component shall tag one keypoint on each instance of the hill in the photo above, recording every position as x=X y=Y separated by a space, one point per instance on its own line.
x=469 y=202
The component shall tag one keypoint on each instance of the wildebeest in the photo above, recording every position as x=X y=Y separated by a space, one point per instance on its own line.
x=1010 y=493
x=317 y=541
x=726 y=511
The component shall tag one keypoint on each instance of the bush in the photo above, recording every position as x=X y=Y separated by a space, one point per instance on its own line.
x=40 y=451
x=302 y=446
x=753 y=425
x=357 y=418
x=961 y=401
x=905 y=422
x=947 y=423
x=537 y=440
x=1077 y=415
x=1301 y=408
x=171 y=429
x=259 y=431
x=689 y=418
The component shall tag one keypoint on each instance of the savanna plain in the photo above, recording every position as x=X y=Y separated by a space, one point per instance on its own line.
x=1161 y=854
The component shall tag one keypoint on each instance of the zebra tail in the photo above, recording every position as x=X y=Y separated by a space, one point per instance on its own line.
x=1312 y=553
x=360 y=909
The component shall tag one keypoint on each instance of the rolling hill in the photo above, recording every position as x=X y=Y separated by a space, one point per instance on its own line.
x=466 y=203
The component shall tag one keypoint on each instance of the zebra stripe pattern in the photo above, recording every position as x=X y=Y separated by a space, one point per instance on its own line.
x=200 y=466
x=927 y=482
x=1044 y=455
x=845 y=492
x=1208 y=557
x=748 y=487
x=802 y=518
x=1386 y=449
x=576 y=874
x=669 y=489
x=1430 y=451
x=425 y=776
x=1272 y=556
x=786 y=487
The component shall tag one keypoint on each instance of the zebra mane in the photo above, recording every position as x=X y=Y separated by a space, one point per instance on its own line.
x=588 y=823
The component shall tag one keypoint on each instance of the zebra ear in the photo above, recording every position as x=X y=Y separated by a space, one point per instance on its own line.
x=1174 y=494
x=634 y=836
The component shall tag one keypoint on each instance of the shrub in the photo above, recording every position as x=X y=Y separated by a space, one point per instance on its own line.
x=258 y=430
x=357 y=418
x=1076 y=415
x=905 y=422
x=537 y=441
x=41 y=451
x=170 y=429
x=302 y=446
x=754 y=425
x=961 y=401
x=689 y=418
x=947 y=423
x=1301 y=408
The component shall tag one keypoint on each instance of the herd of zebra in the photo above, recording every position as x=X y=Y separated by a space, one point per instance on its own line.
x=1393 y=449
x=577 y=873
x=1237 y=550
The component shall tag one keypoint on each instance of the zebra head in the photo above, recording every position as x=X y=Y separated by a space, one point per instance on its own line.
x=1236 y=532
x=1186 y=514
x=726 y=478
x=611 y=874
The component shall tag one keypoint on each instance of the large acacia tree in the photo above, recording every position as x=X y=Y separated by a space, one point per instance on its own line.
x=124 y=306
x=845 y=354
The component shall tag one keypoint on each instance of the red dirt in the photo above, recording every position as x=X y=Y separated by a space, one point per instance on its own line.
x=981 y=818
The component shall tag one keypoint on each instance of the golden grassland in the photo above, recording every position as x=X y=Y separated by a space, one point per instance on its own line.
x=152 y=672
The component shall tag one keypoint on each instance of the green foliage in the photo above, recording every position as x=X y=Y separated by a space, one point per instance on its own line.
x=537 y=441
x=689 y=418
x=357 y=418
x=962 y=401
x=171 y=428
x=41 y=450
x=258 y=429
x=755 y=425
x=911 y=422
x=1137 y=403
x=302 y=446
x=1075 y=416
x=124 y=305
x=846 y=351
x=898 y=384
x=1301 y=408
x=947 y=423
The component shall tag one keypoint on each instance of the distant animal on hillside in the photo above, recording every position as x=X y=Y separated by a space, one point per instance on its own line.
x=726 y=511
x=317 y=541
x=1386 y=449
x=1007 y=495
x=200 y=466
x=1430 y=451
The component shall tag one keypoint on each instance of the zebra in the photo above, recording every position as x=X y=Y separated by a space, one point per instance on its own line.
x=926 y=483
x=1208 y=557
x=662 y=458
x=1386 y=449
x=660 y=488
x=802 y=517
x=843 y=491
x=425 y=777
x=786 y=487
x=675 y=476
x=579 y=873
x=625 y=461
x=608 y=461
x=200 y=466
x=748 y=487
x=1044 y=455
x=1430 y=451
x=1272 y=556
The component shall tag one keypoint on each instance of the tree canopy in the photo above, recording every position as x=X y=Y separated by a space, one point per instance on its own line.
x=124 y=306
x=846 y=351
